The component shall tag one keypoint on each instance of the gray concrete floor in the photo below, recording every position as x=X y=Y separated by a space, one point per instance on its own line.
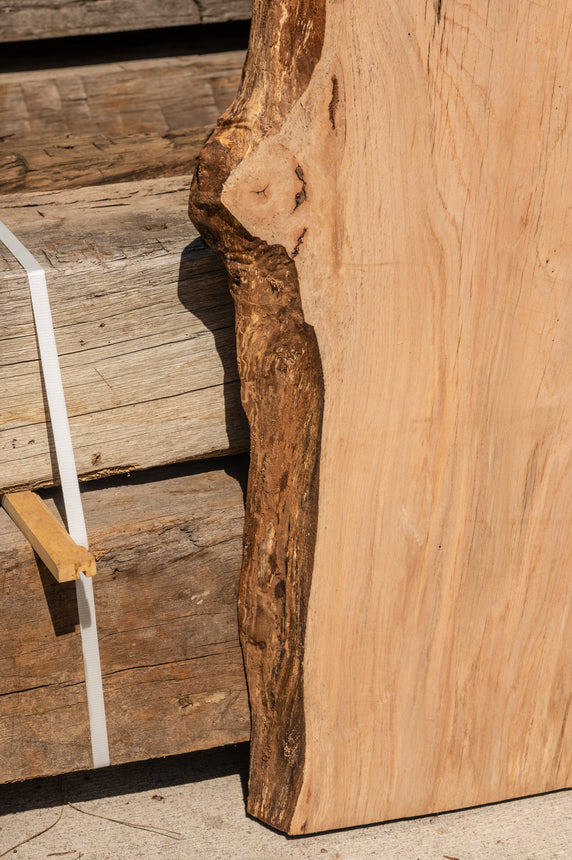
x=200 y=796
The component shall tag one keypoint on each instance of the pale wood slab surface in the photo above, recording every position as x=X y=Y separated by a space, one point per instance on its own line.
x=48 y=537
x=395 y=180
x=49 y=19
x=87 y=125
x=144 y=326
x=168 y=554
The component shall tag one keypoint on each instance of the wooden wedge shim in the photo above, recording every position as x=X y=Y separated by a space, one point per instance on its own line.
x=63 y=557
x=390 y=192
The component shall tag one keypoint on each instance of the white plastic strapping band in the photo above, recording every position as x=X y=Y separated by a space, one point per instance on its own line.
x=70 y=489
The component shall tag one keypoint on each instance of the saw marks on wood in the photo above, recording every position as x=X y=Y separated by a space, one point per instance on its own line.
x=422 y=184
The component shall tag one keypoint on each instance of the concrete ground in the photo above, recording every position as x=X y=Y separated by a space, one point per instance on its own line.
x=193 y=806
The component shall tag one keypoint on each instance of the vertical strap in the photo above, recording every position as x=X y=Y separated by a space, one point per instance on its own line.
x=70 y=489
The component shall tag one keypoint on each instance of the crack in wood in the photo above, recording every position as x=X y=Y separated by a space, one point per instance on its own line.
x=146 y=666
x=298 y=244
x=301 y=195
x=333 y=106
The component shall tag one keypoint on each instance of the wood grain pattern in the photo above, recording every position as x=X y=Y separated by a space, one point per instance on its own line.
x=144 y=326
x=168 y=555
x=414 y=166
x=49 y=19
x=48 y=537
x=89 y=125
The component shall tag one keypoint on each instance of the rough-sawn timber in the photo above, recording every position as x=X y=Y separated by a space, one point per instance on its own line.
x=168 y=552
x=89 y=125
x=49 y=19
x=144 y=326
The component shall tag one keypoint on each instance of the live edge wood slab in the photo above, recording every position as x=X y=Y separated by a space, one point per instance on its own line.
x=390 y=191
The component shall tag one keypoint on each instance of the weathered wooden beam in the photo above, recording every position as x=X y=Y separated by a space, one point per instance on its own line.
x=30 y=163
x=144 y=326
x=168 y=554
x=48 y=19
x=80 y=126
x=391 y=192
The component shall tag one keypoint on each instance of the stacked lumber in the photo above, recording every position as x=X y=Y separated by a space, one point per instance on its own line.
x=87 y=125
x=38 y=19
x=168 y=552
x=144 y=326
x=95 y=165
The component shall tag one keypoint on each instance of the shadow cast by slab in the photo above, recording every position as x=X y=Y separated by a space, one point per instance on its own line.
x=203 y=290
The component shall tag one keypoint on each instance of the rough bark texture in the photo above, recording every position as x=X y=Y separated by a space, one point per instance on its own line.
x=282 y=394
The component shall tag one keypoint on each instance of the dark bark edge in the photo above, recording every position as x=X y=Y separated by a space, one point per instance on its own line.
x=283 y=396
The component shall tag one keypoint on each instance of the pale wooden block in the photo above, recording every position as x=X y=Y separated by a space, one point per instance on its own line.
x=63 y=557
